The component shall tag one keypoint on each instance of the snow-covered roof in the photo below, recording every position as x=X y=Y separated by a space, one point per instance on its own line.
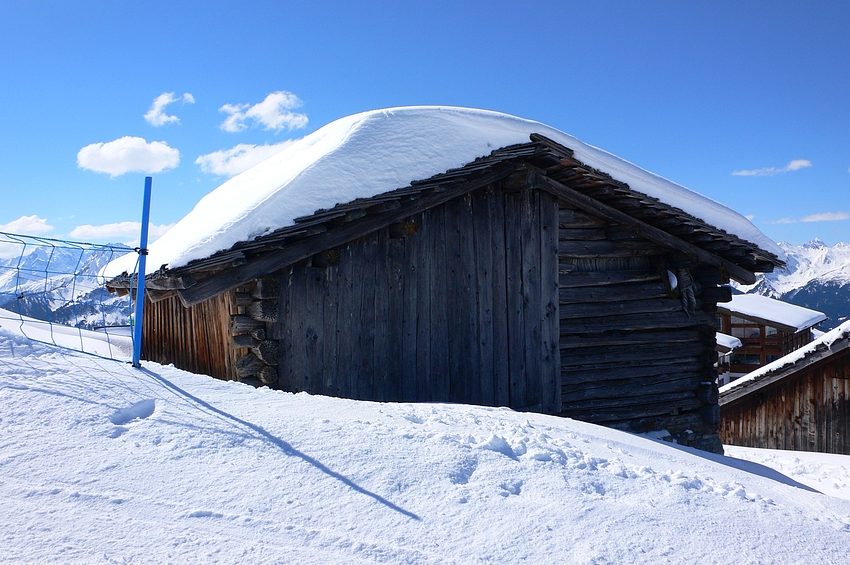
x=727 y=343
x=770 y=311
x=829 y=343
x=367 y=154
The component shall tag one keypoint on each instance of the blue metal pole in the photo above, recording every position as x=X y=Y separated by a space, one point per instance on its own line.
x=140 y=285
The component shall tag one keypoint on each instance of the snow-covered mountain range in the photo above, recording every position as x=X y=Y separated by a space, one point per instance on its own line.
x=817 y=276
x=61 y=284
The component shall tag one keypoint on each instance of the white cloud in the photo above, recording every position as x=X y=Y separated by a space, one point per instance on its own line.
x=231 y=162
x=156 y=115
x=27 y=225
x=127 y=232
x=822 y=217
x=827 y=217
x=271 y=113
x=126 y=155
x=794 y=165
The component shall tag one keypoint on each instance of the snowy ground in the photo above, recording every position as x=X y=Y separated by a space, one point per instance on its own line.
x=103 y=463
x=114 y=343
x=829 y=474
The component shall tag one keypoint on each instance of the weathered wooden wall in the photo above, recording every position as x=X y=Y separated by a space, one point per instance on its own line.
x=465 y=310
x=502 y=297
x=804 y=412
x=196 y=339
x=630 y=355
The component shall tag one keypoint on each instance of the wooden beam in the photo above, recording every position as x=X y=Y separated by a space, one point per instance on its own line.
x=574 y=279
x=334 y=237
x=590 y=205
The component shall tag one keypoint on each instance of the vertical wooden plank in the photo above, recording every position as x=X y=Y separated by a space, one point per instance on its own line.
x=482 y=235
x=395 y=329
x=798 y=417
x=818 y=409
x=454 y=302
x=330 y=335
x=348 y=323
x=438 y=389
x=808 y=414
x=460 y=262
x=516 y=319
x=366 y=375
x=314 y=340
x=298 y=298
x=410 y=305
x=531 y=299
x=844 y=405
x=384 y=287
x=833 y=431
x=501 y=319
x=283 y=332
x=424 y=292
x=779 y=419
x=187 y=338
x=824 y=384
x=470 y=370
x=788 y=407
x=550 y=369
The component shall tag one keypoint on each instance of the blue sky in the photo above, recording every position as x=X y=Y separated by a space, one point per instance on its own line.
x=693 y=91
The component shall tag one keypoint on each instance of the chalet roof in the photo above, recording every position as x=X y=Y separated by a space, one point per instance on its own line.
x=772 y=312
x=365 y=171
x=829 y=344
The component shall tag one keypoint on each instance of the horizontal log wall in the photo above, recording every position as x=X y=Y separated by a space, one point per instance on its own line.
x=630 y=356
x=806 y=412
x=195 y=339
x=463 y=310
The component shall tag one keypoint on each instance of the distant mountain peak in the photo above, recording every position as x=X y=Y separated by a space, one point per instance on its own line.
x=816 y=276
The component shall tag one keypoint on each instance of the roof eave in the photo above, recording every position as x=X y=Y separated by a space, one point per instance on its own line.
x=771 y=377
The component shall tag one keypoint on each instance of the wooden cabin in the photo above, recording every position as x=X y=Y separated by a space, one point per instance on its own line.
x=525 y=279
x=799 y=402
x=768 y=329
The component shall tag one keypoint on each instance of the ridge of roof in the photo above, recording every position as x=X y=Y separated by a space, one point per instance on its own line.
x=375 y=152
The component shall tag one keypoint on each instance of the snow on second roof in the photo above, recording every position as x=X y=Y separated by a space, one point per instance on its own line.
x=367 y=154
x=772 y=310
x=827 y=340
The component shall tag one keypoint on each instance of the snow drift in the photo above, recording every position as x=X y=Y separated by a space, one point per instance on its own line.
x=104 y=463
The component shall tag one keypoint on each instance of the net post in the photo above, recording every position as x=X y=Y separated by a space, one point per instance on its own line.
x=140 y=284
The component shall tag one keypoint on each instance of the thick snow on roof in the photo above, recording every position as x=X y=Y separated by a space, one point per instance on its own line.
x=770 y=309
x=826 y=340
x=366 y=154
x=727 y=341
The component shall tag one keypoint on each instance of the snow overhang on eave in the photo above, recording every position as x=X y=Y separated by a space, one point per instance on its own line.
x=807 y=318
